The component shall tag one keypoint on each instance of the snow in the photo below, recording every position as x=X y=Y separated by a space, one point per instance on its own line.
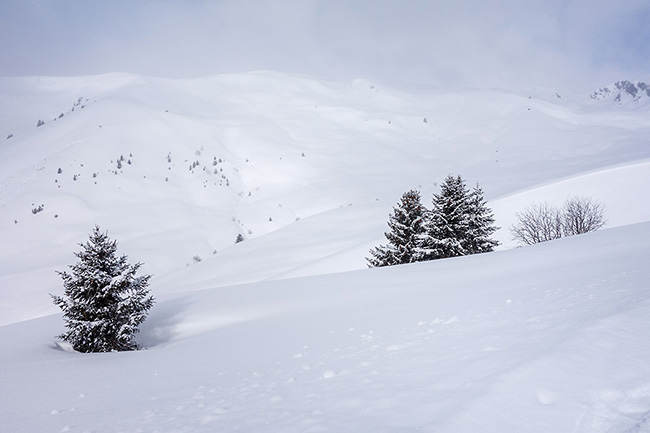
x=618 y=187
x=288 y=331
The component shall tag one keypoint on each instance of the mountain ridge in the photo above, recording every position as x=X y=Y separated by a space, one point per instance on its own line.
x=624 y=92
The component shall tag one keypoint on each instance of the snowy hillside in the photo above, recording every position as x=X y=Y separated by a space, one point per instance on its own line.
x=176 y=169
x=288 y=331
x=539 y=339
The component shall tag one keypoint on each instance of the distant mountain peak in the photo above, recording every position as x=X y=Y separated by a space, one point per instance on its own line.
x=623 y=92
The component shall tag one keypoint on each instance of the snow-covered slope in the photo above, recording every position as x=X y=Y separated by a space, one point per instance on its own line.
x=176 y=169
x=287 y=331
x=539 y=339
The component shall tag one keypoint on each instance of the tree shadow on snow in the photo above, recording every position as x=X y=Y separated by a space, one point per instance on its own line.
x=160 y=327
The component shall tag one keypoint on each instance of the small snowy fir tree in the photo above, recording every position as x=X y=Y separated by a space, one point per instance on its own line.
x=103 y=301
x=405 y=224
x=459 y=223
x=480 y=225
x=446 y=224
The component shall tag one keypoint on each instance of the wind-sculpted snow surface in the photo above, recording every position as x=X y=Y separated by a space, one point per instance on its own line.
x=545 y=338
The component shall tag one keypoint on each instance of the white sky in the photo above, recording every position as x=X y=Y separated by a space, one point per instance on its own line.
x=575 y=45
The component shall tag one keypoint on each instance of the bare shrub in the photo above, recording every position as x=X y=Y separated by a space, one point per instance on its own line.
x=543 y=222
x=582 y=215
x=537 y=223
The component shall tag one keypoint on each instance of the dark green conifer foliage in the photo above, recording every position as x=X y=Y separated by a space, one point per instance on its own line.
x=458 y=224
x=104 y=301
x=480 y=225
x=446 y=224
x=405 y=225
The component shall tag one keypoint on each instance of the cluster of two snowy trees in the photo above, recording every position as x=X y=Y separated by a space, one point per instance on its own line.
x=458 y=224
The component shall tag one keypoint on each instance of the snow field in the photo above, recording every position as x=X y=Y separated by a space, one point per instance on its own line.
x=428 y=346
x=363 y=146
x=288 y=331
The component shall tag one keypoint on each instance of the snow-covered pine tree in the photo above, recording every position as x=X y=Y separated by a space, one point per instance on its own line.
x=446 y=224
x=458 y=224
x=103 y=301
x=480 y=225
x=405 y=225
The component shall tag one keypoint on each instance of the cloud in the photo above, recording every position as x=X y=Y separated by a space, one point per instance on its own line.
x=481 y=43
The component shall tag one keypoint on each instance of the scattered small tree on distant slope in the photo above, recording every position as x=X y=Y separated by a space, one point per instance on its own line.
x=103 y=301
x=405 y=225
